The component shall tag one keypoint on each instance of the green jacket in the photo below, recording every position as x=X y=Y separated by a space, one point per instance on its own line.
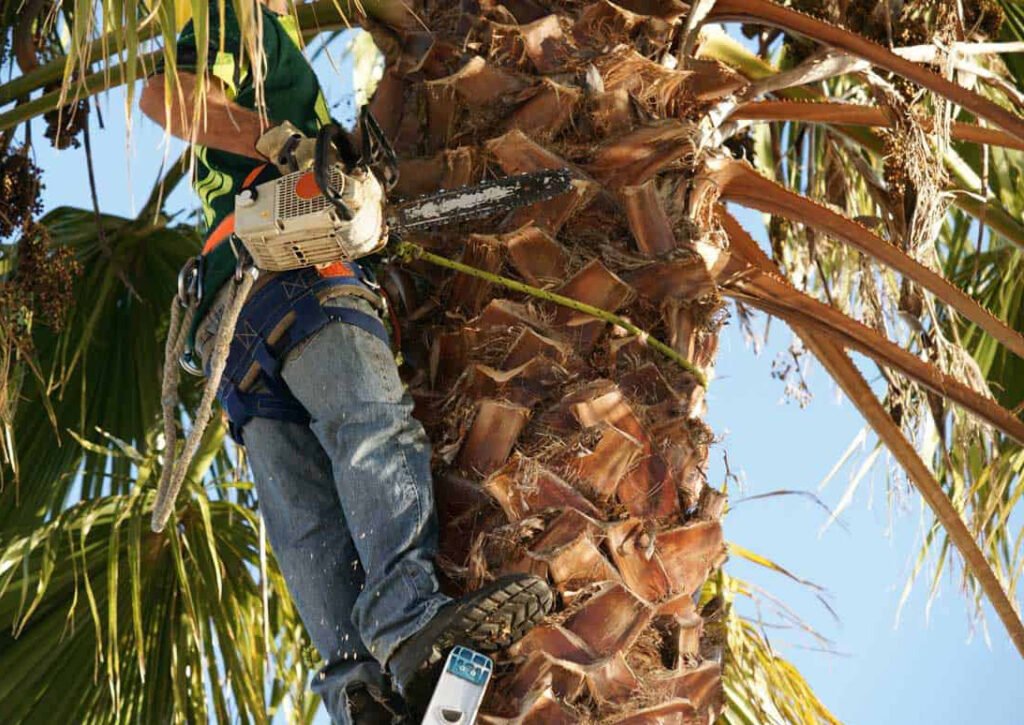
x=292 y=93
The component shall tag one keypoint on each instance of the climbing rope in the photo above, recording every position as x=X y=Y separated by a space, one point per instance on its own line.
x=177 y=338
x=175 y=468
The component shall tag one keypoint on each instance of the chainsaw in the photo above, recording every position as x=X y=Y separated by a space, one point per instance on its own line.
x=314 y=218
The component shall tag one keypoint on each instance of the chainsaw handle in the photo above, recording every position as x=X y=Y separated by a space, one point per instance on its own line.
x=333 y=135
x=377 y=150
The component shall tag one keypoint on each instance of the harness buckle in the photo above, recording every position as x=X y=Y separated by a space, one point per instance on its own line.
x=190 y=282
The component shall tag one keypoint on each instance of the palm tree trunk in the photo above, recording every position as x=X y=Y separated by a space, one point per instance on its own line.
x=565 y=446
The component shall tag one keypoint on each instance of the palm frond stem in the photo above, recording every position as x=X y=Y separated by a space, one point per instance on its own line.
x=834 y=113
x=762 y=286
x=739 y=182
x=856 y=388
x=414 y=251
x=770 y=13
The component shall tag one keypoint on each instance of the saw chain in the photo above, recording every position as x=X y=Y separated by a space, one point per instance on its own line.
x=334 y=212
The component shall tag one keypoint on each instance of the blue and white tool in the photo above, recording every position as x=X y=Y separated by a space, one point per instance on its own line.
x=460 y=689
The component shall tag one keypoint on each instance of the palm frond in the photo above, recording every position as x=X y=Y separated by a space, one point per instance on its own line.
x=102 y=369
x=761 y=686
x=754 y=283
x=770 y=13
x=843 y=371
x=853 y=384
x=737 y=181
x=829 y=157
x=137 y=626
x=125 y=42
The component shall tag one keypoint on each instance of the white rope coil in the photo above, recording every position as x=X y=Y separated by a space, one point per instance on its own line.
x=176 y=467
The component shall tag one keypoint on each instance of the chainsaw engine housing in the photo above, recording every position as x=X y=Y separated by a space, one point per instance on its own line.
x=288 y=223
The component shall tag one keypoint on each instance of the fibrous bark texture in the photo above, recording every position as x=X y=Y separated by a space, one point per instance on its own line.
x=564 y=446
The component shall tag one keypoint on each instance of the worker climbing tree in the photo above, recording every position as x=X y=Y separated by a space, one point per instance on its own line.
x=300 y=362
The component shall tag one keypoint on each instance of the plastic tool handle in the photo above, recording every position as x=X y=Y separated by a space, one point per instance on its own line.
x=333 y=135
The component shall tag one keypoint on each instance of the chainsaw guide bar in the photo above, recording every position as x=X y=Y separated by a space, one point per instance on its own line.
x=443 y=208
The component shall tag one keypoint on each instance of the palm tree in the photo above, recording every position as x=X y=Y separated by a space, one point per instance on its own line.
x=565 y=445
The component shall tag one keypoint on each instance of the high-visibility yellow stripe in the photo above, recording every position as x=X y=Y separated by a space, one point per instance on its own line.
x=224 y=186
x=213 y=186
x=224 y=69
x=291 y=29
x=202 y=184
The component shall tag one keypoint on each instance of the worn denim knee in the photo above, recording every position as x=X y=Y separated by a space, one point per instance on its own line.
x=362 y=415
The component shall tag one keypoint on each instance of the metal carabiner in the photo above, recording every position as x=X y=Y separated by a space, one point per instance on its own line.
x=190 y=282
x=189 y=365
x=245 y=264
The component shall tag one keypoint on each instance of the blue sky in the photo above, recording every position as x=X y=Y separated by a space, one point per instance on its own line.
x=926 y=670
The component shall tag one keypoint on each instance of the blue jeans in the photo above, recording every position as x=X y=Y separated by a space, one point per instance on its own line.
x=348 y=505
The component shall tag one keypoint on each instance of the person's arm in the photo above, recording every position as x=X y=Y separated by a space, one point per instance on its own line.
x=228 y=127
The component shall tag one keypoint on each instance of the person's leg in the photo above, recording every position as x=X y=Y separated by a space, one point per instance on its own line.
x=347 y=380
x=309 y=536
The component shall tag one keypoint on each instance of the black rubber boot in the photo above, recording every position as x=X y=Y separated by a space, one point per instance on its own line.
x=489 y=619
x=375 y=708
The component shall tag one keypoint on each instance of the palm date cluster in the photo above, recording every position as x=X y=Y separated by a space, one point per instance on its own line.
x=897 y=180
x=39 y=287
x=20 y=190
x=987 y=16
x=65 y=124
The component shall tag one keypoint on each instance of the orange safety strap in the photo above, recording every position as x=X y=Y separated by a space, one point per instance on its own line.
x=337 y=269
x=253 y=175
x=221 y=232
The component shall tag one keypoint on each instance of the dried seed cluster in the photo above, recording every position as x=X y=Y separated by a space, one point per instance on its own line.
x=65 y=124
x=20 y=190
x=39 y=289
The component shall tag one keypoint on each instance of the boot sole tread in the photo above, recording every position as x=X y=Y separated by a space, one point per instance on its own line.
x=504 y=616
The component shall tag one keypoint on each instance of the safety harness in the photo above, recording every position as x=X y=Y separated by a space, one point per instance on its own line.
x=244 y=339
x=298 y=292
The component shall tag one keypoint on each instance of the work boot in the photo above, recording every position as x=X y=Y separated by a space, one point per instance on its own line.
x=374 y=708
x=489 y=619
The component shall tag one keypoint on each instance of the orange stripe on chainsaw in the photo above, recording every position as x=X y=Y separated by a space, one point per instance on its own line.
x=306 y=187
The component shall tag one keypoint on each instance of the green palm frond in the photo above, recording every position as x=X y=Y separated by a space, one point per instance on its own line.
x=761 y=686
x=124 y=42
x=102 y=369
x=102 y=620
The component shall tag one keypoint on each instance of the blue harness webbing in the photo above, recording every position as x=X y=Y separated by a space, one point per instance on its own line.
x=294 y=291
